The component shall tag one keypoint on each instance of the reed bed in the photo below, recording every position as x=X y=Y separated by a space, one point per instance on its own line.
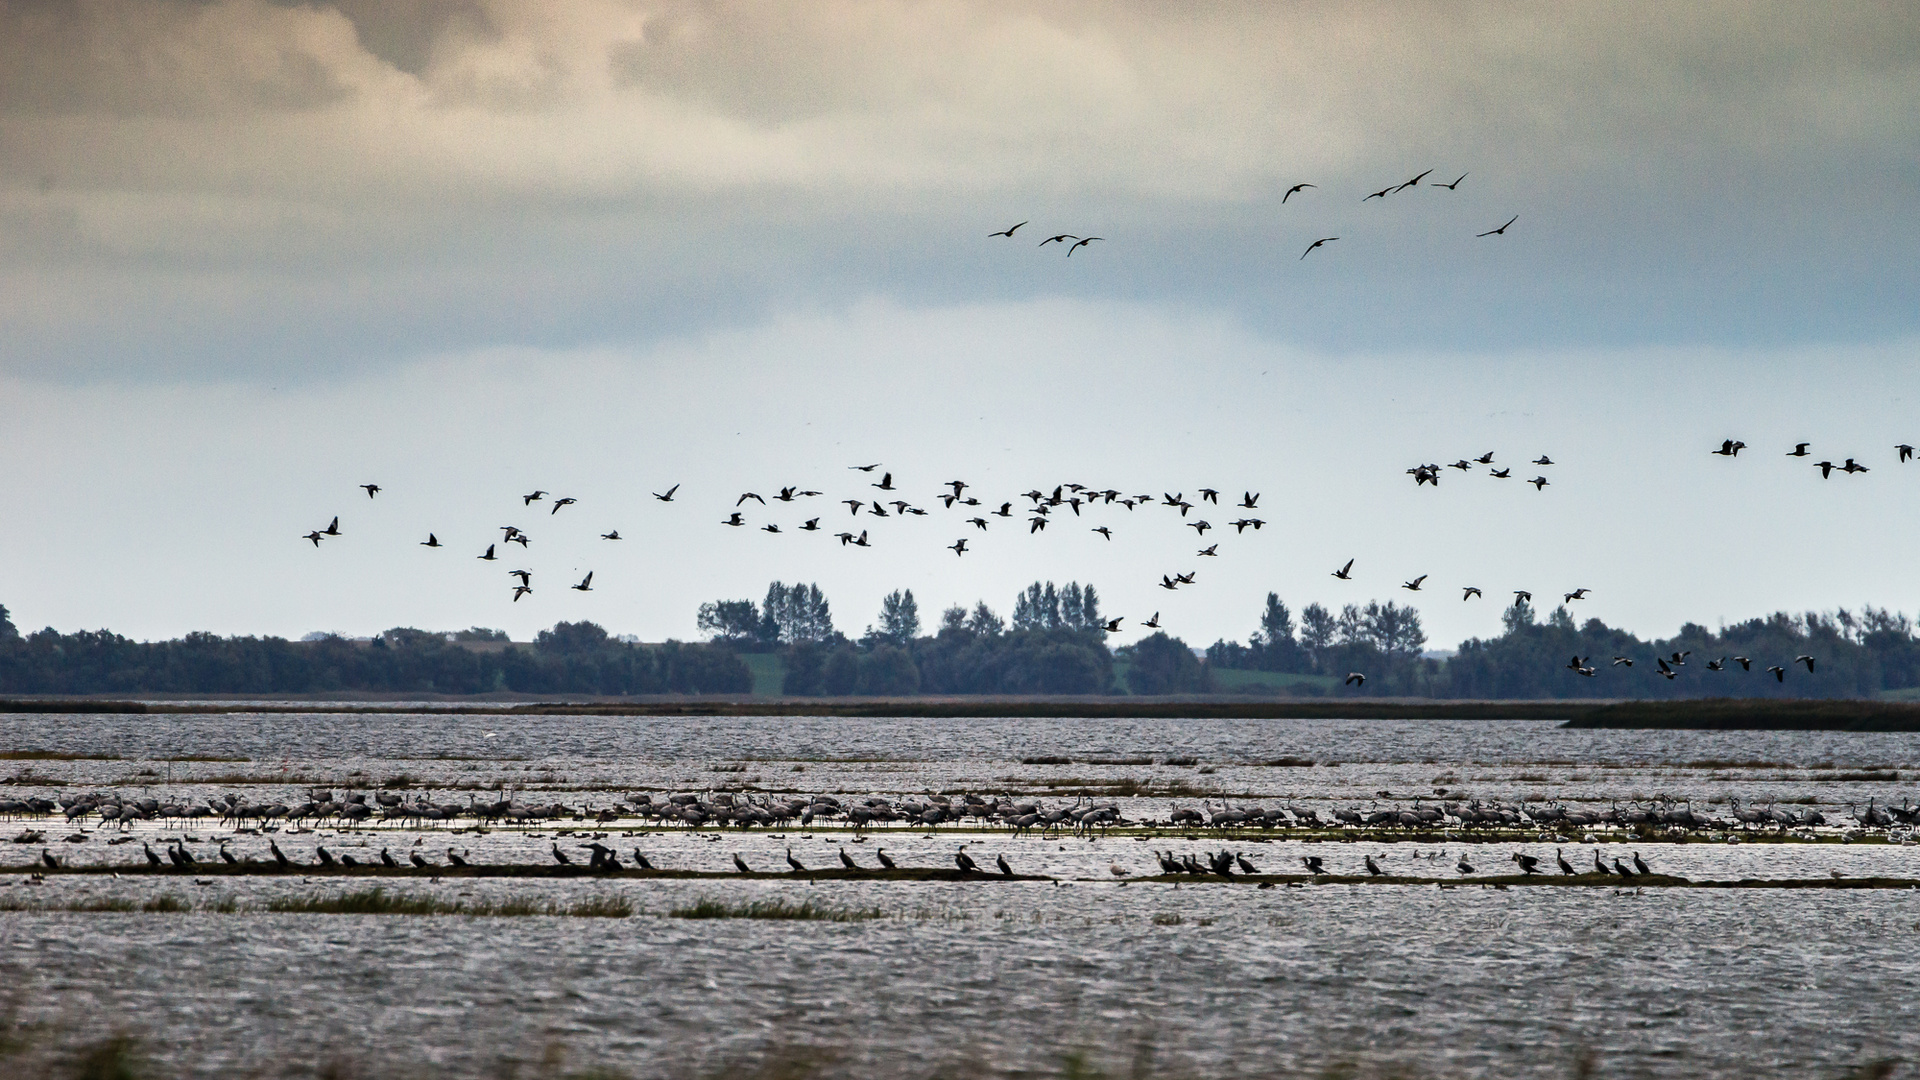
x=806 y=910
x=374 y=901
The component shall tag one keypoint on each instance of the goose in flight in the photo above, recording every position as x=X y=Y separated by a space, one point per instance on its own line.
x=1717 y=665
x=525 y=576
x=959 y=547
x=1665 y=670
x=978 y=523
x=333 y=528
x=1576 y=663
x=1113 y=625
x=1623 y=661
x=614 y=535
x=558 y=503
x=749 y=495
x=861 y=540
x=1469 y=592
x=1521 y=596
x=1295 y=190
x=1103 y=531
x=1485 y=459
x=1906 y=452
x=812 y=525
x=770 y=527
x=1851 y=467
x=1502 y=230
x=1779 y=673
x=1745 y=662
x=1345 y=573
x=1186 y=578
x=854 y=505
x=1538 y=482
x=1453 y=186
x=886 y=482
x=1210 y=495
x=1463 y=465
x=529 y=500
x=1060 y=239
x=1730 y=448
x=1007 y=232
x=1799 y=450
x=1355 y=678
x=1082 y=243
x=1249 y=500
x=1807 y=660
x=668 y=497
x=865 y=468
x=1500 y=474
x=1381 y=194
x=1825 y=467
x=1214 y=550
x=845 y=538
x=489 y=556
x=1153 y=623
x=316 y=536
x=1577 y=594
x=1322 y=240
x=1168 y=583
x=1543 y=460
x=1414 y=585
x=1415 y=182
x=1035 y=524
x=430 y=541
x=733 y=519
x=1200 y=527
x=586 y=583
x=1006 y=510
x=371 y=489
x=520 y=591
x=1240 y=525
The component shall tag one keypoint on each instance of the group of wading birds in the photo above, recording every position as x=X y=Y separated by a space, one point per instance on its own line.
x=1454 y=820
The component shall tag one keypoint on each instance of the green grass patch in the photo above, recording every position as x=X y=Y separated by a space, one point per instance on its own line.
x=805 y=910
x=769 y=673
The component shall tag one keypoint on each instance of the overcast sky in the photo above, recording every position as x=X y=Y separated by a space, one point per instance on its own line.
x=255 y=254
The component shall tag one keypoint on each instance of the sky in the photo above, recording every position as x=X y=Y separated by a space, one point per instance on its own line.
x=254 y=254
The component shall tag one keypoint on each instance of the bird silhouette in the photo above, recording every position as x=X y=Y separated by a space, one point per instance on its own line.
x=865 y=468
x=1779 y=673
x=812 y=525
x=749 y=495
x=733 y=519
x=1500 y=474
x=614 y=535
x=1730 y=448
x=1906 y=452
x=1008 y=231
x=668 y=497
x=430 y=541
x=1415 y=182
x=1295 y=190
x=489 y=556
x=1355 y=678
x=1543 y=460
x=1502 y=230
x=534 y=497
x=1852 y=467
x=586 y=583
x=333 y=528
x=1153 y=623
x=1453 y=186
x=1538 y=482
x=1807 y=660
x=1322 y=240
x=558 y=503
x=770 y=527
x=1414 y=585
x=964 y=861
x=371 y=489
x=316 y=536
x=1825 y=467
x=1060 y=239
x=1345 y=573
x=1521 y=596
x=1799 y=450
x=885 y=484
x=1213 y=550
x=959 y=547
x=1577 y=594
x=1249 y=500
x=1083 y=243
x=1113 y=625
x=1469 y=592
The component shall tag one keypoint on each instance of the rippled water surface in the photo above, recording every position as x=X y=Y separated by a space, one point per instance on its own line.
x=976 y=978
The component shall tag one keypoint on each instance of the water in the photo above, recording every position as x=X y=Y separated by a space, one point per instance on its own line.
x=977 y=978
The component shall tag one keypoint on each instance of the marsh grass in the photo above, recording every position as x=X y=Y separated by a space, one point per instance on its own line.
x=806 y=910
x=52 y=755
x=378 y=901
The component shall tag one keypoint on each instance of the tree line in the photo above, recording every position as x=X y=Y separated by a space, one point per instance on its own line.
x=1054 y=643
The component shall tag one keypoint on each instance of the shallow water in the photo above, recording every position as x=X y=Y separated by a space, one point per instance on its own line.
x=987 y=977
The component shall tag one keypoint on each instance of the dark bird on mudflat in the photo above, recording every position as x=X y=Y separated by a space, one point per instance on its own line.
x=558 y=503
x=418 y=860
x=1001 y=862
x=1528 y=864
x=796 y=864
x=1295 y=190
x=371 y=489
x=1317 y=243
x=1008 y=231
x=455 y=858
x=640 y=860
x=885 y=859
x=1502 y=230
x=1373 y=868
x=1463 y=866
x=530 y=499
x=1565 y=866
x=586 y=583
x=1345 y=573
x=668 y=497
x=1313 y=863
x=430 y=541
x=740 y=864
x=386 y=859
x=964 y=861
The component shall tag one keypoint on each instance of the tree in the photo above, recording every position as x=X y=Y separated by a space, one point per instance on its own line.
x=794 y=613
x=899 y=618
x=1518 y=617
x=954 y=620
x=1317 y=628
x=984 y=623
x=7 y=631
x=1274 y=648
x=577 y=637
x=1164 y=665
x=1392 y=629
x=732 y=621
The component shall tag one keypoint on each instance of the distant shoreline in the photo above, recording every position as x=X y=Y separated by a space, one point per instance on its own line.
x=1716 y=714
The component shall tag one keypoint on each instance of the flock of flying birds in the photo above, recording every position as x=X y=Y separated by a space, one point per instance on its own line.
x=1073 y=242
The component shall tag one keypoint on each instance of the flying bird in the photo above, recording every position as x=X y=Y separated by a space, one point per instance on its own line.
x=770 y=527
x=749 y=495
x=1213 y=550
x=1414 y=585
x=371 y=489
x=1295 y=190
x=1153 y=623
x=430 y=541
x=1502 y=230
x=1082 y=244
x=1355 y=678
x=1730 y=448
x=520 y=591
x=1249 y=500
x=333 y=528
x=1577 y=594
x=1538 y=482
x=1113 y=625
x=529 y=500
x=1345 y=573
x=865 y=468
x=525 y=576
x=1543 y=460
x=1061 y=239
x=1521 y=596
x=959 y=546
x=1807 y=660
x=886 y=482
x=316 y=536
x=489 y=556
x=1322 y=240
x=668 y=497
x=1104 y=531
x=1825 y=467
x=812 y=525
x=586 y=583
x=558 y=503
x=1779 y=673
x=1469 y=592
x=1799 y=450
x=1008 y=231
x=1415 y=182
x=614 y=535
x=734 y=519
x=1453 y=186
